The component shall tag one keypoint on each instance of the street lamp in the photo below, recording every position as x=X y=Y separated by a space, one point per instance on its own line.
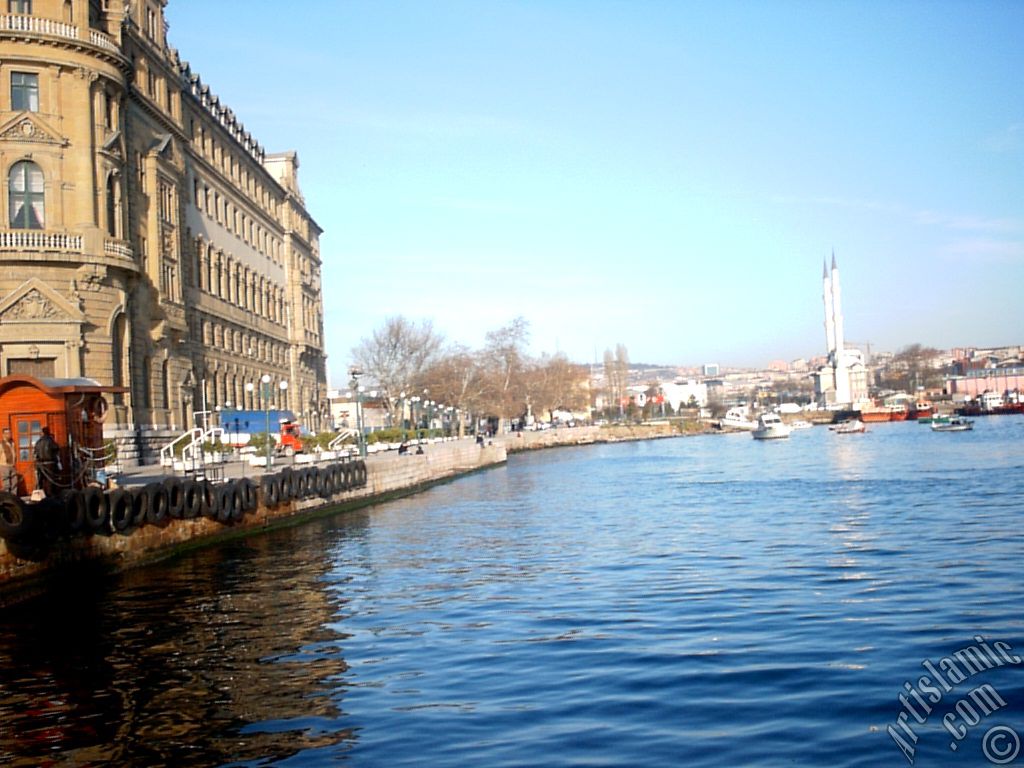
x=355 y=372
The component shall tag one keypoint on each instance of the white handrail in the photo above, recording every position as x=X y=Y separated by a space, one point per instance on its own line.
x=167 y=452
x=188 y=453
x=341 y=437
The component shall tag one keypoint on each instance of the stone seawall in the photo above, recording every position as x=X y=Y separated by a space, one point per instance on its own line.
x=24 y=567
x=551 y=438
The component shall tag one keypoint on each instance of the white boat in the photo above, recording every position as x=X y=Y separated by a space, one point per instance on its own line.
x=770 y=427
x=800 y=424
x=736 y=418
x=954 y=424
x=848 y=427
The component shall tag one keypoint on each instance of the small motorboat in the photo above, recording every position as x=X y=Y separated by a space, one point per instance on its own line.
x=848 y=427
x=770 y=427
x=954 y=424
x=800 y=424
x=736 y=418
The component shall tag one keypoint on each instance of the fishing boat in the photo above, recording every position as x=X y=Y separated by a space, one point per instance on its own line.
x=770 y=427
x=848 y=427
x=954 y=424
x=922 y=409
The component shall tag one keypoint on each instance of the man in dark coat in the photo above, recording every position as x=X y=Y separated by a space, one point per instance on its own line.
x=46 y=454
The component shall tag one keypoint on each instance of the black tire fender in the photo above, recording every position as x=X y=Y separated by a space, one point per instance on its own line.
x=74 y=508
x=97 y=511
x=211 y=500
x=192 y=494
x=156 y=509
x=119 y=504
x=175 y=497
x=270 y=488
x=16 y=519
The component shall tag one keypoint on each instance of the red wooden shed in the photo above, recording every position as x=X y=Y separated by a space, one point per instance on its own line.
x=72 y=410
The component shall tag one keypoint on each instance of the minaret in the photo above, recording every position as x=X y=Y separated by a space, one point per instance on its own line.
x=830 y=326
x=843 y=394
x=837 y=307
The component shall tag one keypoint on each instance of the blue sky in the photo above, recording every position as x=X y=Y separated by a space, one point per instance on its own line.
x=666 y=175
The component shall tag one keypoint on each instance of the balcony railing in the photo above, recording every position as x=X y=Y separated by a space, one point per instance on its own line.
x=30 y=240
x=117 y=248
x=39 y=26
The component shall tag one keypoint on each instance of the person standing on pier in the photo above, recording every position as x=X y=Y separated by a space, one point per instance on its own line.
x=8 y=474
x=46 y=453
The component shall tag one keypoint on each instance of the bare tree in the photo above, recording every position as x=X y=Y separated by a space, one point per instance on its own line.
x=396 y=355
x=556 y=383
x=457 y=379
x=616 y=373
x=504 y=360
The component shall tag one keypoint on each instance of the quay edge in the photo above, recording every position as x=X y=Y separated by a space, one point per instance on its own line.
x=388 y=476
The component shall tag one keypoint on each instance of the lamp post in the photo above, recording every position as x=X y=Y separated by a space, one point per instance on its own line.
x=265 y=393
x=355 y=372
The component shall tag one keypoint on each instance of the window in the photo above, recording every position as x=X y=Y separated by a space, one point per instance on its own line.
x=24 y=92
x=19 y=6
x=25 y=196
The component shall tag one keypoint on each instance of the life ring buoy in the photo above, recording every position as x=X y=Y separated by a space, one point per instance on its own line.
x=74 y=510
x=119 y=504
x=156 y=503
x=97 y=511
x=16 y=519
x=99 y=408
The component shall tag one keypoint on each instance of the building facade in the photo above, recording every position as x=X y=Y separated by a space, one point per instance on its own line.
x=150 y=242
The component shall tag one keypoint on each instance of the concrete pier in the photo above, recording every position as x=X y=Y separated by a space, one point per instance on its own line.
x=389 y=475
x=23 y=568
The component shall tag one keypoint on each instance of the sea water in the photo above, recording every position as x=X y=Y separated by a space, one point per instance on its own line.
x=702 y=601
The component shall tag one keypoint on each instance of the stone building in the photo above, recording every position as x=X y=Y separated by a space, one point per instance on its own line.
x=150 y=240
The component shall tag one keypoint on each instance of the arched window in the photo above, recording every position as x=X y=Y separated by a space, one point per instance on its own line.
x=25 y=196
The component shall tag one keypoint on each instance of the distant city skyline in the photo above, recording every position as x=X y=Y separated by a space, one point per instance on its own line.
x=665 y=175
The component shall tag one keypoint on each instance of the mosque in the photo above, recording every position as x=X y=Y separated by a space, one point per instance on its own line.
x=843 y=379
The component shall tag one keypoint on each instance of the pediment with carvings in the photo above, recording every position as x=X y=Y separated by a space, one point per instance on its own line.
x=36 y=302
x=28 y=127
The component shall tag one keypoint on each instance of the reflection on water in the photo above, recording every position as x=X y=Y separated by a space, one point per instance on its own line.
x=220 y=656
x=702 y=602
